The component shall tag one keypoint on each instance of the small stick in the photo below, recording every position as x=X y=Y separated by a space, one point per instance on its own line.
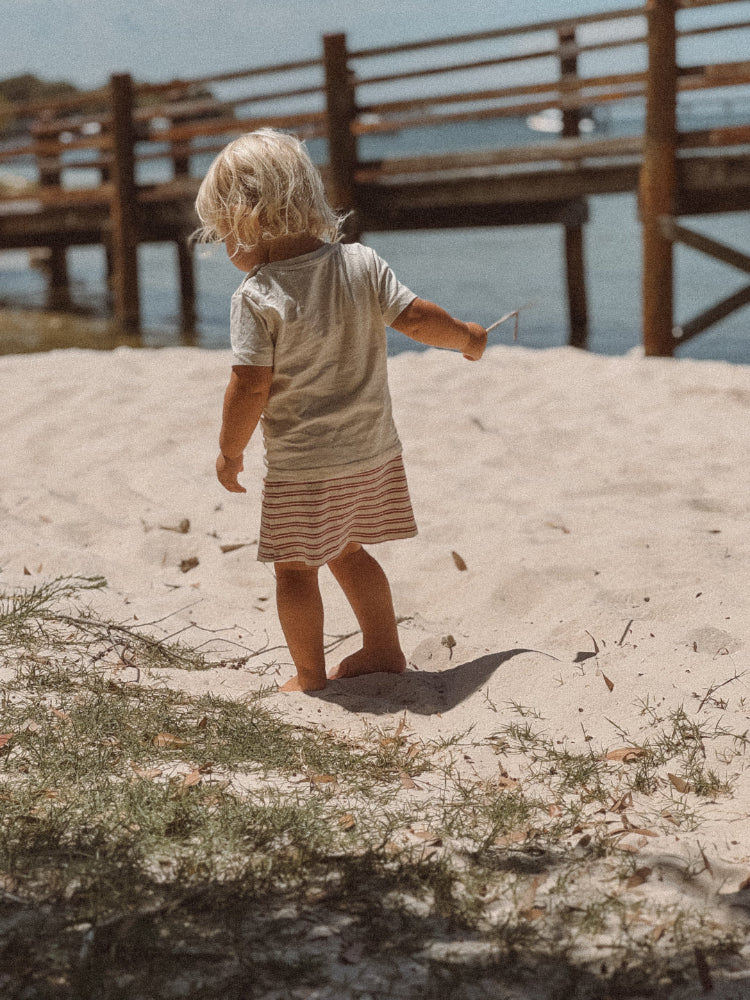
x=508 y=316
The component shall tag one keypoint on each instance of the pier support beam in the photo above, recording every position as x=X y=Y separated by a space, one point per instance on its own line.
x=575 y=264
x=658 y=181
x=54 y=262
x=342 y=143
x=185 y=255
x=124 y=208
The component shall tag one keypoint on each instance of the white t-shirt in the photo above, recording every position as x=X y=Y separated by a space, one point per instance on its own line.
x=319 y=320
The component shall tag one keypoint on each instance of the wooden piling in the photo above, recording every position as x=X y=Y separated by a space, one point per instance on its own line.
x=55 y=264
x=124 y=208
x=185 y=255
x=575 y=264
x=658 y=179
x=342 y=143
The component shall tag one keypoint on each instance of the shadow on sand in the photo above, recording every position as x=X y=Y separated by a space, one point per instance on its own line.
x=424 y=692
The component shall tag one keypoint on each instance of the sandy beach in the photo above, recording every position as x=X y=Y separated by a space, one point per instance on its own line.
x=583 y=555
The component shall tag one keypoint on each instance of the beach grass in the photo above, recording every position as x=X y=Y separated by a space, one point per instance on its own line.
x=155 y=843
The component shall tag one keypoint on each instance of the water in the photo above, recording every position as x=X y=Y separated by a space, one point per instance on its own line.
x=476 y=274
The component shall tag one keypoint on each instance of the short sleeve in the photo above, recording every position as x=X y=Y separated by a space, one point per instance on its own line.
x=393 y=296
x=251 y=340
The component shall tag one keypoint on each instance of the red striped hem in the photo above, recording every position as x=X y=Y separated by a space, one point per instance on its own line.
x=309 y=537
x=319 y=556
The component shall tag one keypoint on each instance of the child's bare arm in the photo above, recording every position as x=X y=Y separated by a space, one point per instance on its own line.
x=244 y=401
x=429 y=324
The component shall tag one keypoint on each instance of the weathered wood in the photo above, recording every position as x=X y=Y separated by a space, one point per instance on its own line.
x=658 y=181
x=568 y=92
x=184 y=249
x=484 y=36
x=229 y=125
x=55 y=258
x=341 y=112
x=384 y=214
x=575 y=150
x=124 y=207
x=713 y=248
x=724 y=136
x=711 y=316
x=575 y=265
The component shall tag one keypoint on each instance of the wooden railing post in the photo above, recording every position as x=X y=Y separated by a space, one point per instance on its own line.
x=342 y=143
x=658 y=180
x=185 y=255
x=124 y=207
x=575 y=264
x=55 y=261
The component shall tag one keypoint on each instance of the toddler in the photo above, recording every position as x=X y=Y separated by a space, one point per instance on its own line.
x=308 y=338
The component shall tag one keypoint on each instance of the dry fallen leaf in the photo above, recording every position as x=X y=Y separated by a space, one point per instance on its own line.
x=5 y=739
x=608 y=682
x=631 y=829
x=322 y=779
x=407 y=781
x=533 y=913
x=516 y=837
x=626 y=754
x=168 y=740
x=679 y=783
x=639 y=876
x=428 y=836
x=193 y=778
x=202 y=723
x=234 y=547
x=147 y=773
x=187 y=564
x=460 y=564
x=347 y=822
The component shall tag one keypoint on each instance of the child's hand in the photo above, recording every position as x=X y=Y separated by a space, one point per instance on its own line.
x=227 y=470
x=475 y=345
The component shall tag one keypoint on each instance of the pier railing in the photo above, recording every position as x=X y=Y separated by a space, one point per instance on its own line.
x=114 y=166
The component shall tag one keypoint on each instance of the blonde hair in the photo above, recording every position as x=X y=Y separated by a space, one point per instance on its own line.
x=261 y=186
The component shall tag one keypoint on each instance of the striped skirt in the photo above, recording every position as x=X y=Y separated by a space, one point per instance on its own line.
x=312 y=522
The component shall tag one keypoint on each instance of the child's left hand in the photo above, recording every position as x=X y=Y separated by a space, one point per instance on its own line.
x=227 y=470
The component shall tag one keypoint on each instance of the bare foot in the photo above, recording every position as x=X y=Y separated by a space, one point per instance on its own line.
x=296 y=684
x=367 y=661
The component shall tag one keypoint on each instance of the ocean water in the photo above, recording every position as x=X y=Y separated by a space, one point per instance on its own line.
x=476 y=274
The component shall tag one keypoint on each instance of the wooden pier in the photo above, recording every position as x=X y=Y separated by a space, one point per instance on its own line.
x=113 y=137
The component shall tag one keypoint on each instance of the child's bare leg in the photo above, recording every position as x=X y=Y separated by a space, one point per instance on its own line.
x=366 y=588
x=300 y=610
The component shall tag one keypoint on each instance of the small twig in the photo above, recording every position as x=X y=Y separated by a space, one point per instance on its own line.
x=511 y=315
x=627 y=629
x=712 y=690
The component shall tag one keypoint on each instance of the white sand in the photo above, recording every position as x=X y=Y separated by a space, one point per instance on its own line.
x=585 y=494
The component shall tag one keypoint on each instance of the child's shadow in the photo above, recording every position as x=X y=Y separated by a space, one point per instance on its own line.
x=422 y=692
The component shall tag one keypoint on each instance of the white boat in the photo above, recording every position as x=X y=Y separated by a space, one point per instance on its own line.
x=551 y=121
